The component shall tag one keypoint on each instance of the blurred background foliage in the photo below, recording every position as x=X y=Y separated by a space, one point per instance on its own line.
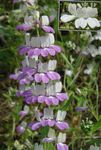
x=83 y=89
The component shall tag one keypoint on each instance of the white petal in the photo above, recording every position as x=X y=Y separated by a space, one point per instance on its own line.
x=61 y=137
x=26 y=108
x=38 y=90
x=45 y=20
x=79 y=23
x=81 y=12
x=51 y=133
x=42 y=67
x=72 y=9
x=91 y=12
x=52 y=65
x=51 y=38
x=58 y=87
x=66 y=18
x=92 y=22
x=61 y=115
x=97 y=22
x=27 y=39
x=48 y=113
x=83 y=23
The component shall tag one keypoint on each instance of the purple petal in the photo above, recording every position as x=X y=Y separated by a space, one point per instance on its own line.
x=27 y=93
x=44 y=52
x=31 y=52
x=55 y=101
x=22 y=113
x=38 y=77
x=20 y=129
x=48 y=140
x=48 y=29
x=36 y=126
x=62 y=96
x=24 y=81
x=50 y=123
x=23 y=50
x=61 y=146
x=30 y=78
x=24 y=27
x=62 y=125
x=80 y=109
x=53 y=75
x=34 y=52
x=51 y=51
x=41 y=99
x=28 y=100
x=44 y=123
x=45 y=78
x=34 y=99
x=48 y=100
x=14 y=76
x=56 y=48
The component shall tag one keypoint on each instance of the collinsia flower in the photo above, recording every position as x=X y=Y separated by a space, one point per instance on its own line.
x=81 y=109
x=21 y=128
x=28 y=24
x=59 y=140
x=24 y=112
x=48 y=120
x=39 y=83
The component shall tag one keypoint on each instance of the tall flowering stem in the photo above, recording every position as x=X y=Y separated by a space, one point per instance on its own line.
x=39 y=83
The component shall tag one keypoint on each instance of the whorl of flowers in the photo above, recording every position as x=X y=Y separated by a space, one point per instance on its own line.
x=39 y=84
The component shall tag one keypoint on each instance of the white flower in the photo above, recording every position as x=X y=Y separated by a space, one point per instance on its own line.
x=97 y=36
x=69 y=73
x=92 y=50
x=89 y=69
x=83 y=16
x=94 y=148
x=61 y=138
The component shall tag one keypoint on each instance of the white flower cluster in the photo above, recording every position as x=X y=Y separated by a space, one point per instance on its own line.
x=92 y=49
x=83 y=16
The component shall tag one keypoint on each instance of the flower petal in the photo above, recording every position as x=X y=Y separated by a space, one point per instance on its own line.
x=62 y=125
x=45 y=78
x=48 y=29
x=36 y=126
x=38 y=77
x=93 y=22
x=66 y=18
x=44 y=52
x=61 y=146
x=41 y=99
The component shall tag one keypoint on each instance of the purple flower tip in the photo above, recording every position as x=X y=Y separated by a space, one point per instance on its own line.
x=20 y=129
x=61 y=146
x=22 y=114
x=24 y=27
x=48 y=140
x=48 y=29
x=80 y=109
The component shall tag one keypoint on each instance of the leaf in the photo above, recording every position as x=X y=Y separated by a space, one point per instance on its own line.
x=96 y=126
